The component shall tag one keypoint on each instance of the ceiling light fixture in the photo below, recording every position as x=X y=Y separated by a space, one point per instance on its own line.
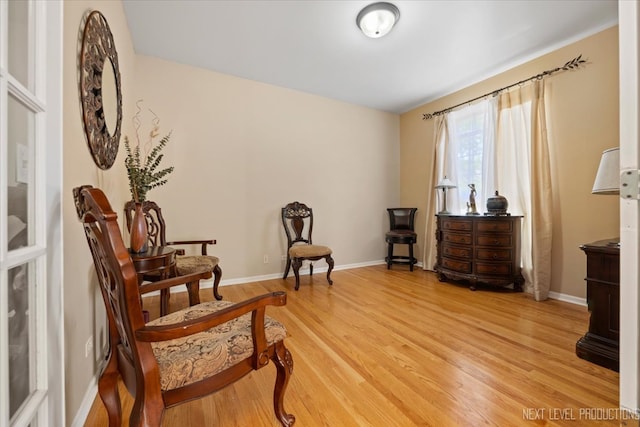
x=377 y=19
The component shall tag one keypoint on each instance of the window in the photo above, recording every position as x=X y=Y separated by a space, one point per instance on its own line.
x=467 y=129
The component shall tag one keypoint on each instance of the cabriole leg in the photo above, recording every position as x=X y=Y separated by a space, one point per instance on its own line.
x=284 y=366
x=108 y=390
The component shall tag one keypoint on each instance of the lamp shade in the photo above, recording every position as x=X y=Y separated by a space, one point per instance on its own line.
x=445 y=183
x=377 y=19
x=608 y=176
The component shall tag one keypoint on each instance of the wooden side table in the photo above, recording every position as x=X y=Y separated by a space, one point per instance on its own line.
x=601 y=343
x=159 y=261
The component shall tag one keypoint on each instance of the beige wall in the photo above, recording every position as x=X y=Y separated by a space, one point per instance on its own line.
x=582 y=110
x=84 y=314
x=243 y=149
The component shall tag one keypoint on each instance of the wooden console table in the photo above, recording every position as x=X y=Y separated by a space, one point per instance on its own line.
x=601 y=344
x=479 y=249
x=158 y=261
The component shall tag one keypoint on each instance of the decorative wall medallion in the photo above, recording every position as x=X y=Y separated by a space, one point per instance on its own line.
x=100 y=92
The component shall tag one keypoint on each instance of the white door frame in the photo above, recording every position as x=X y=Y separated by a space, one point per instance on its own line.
x=628 y=36
x=55 y=300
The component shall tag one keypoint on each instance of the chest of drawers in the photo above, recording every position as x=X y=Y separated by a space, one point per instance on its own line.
x=601 y=344
x=479 y=249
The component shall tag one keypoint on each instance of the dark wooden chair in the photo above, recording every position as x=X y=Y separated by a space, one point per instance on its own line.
x=185 y=355
x=185 y=264
x=297 y=219
x=401 y=232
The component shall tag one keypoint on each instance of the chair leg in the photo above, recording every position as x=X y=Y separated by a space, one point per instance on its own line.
x=330 y=262
x=297 y=263
x=108 y=390
x=310 y=268
x=410 y=256
x=284 y=367
x=217 y=275
x=193 y=289
x=164 y=302
x=146 y=412
x=389 y=255
x=287 y=267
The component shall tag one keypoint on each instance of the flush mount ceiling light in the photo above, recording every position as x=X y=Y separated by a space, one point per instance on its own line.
x=377 y=19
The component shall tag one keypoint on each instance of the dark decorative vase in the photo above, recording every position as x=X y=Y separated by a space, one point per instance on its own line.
x=138 y=232
x=497 y=205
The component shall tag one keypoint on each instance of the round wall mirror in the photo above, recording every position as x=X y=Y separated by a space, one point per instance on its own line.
x=100 y=92
x=109 y=97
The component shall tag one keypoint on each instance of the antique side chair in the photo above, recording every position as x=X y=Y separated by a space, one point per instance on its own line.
x=185 y=264
x=185 y=355
x=297 y=219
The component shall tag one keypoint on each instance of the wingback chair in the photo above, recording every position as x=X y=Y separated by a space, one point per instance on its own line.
x=297 y=219
x=185 y=355
x=185 y=264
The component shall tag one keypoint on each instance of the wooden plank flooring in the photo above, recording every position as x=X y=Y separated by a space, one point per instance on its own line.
x=397 y=348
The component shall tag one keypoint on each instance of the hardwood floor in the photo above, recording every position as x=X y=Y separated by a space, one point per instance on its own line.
x=397 y=348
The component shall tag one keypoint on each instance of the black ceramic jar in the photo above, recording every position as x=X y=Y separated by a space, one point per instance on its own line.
x=497 y=205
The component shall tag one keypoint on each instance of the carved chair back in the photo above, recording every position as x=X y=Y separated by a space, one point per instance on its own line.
x=297 y=219
x=156 y=227
x=116 y=274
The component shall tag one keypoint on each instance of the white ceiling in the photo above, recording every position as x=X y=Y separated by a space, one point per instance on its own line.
x=314 y=46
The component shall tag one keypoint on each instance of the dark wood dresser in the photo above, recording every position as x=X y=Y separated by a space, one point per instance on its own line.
x=601 y=344
x=479 y=249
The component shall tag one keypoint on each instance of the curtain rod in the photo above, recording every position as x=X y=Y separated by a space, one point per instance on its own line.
x=573 y=64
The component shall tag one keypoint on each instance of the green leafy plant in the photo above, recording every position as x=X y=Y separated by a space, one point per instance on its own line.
x=145 y=175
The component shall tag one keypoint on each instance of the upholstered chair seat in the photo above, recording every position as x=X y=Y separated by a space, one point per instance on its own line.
x=184 y=361
x=309 y=251
x=188 y=264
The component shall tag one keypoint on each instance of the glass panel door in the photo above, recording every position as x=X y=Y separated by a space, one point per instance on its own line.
x=24 y=395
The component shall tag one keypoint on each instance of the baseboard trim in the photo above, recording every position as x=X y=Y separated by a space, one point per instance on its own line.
x=87 y=401
x=568 y=298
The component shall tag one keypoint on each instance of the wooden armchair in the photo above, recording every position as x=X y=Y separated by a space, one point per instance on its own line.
x=185 y=264
x=185 y=355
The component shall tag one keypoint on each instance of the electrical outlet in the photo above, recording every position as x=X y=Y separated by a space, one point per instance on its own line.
x=88 y=346
x=284 y=257
x=266 y=259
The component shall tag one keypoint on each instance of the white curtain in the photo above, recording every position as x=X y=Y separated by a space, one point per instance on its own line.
x=515 y=162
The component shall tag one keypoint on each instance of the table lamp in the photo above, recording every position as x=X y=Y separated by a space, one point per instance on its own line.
x=445 y=184
x=608 y=176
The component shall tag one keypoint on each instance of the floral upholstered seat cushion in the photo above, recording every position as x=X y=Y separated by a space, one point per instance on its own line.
x=308 y=251
x=187 y=360
x=195 y=264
